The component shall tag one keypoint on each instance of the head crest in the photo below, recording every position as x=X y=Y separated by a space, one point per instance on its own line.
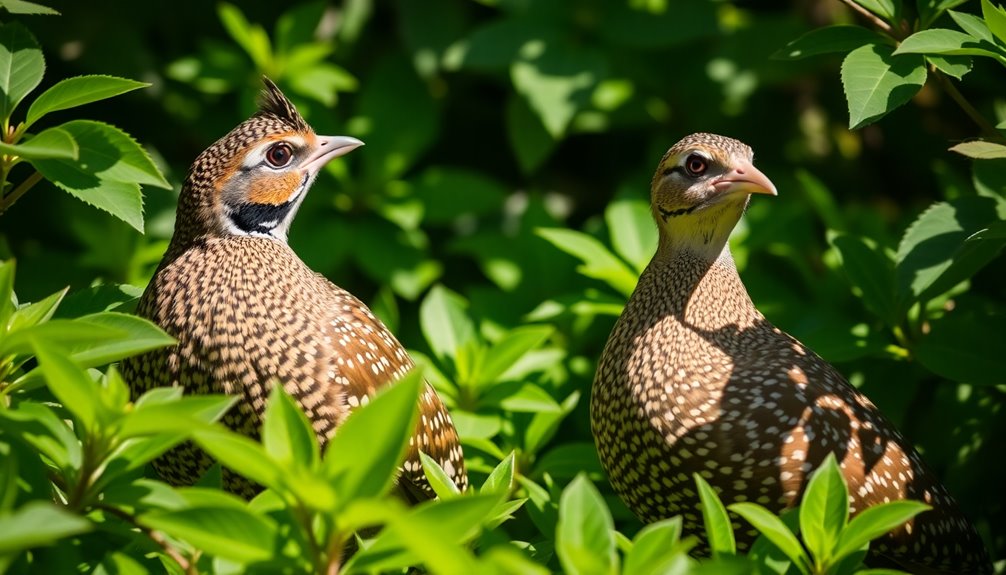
x=272 y=102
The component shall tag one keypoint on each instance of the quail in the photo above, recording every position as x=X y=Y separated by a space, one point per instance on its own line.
x=246 y=311
x=694 y=379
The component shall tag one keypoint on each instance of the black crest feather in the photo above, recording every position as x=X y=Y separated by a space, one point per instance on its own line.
x=272 y=102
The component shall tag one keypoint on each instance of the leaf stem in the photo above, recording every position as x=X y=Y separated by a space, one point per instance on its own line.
x=188 y=566
x=7 y=201
x=988 y=130
x=876 y=20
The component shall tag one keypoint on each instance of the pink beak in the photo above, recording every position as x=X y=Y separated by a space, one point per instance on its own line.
x=329 y=148
x=745 y=178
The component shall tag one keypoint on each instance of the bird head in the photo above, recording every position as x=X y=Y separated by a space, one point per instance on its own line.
x=700 y=190
x=251 y=181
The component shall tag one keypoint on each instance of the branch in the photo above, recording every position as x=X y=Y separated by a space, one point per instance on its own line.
x=988 y=130
x=7 y=201
x=186 y=565
x=876 y=20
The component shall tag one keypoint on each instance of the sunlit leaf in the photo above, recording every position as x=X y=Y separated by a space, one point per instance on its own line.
x=38 y=523
x=829 y=39
x=775 y=531
x=287 y=434
x=584 y=538
x=445 y=322
x=875 y=521
x=824 y=509
x=876 y=82
x=718 y=529
x=598 y=262
x=54 y=143
x=21 y=66
x=227 y=532
x=77 y=91
x=981 y=150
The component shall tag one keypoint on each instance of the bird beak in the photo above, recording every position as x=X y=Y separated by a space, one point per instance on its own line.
x=747 y=179
x=329 y=148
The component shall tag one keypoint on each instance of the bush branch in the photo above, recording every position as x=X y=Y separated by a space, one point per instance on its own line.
x=988 y=130
x=876 y=20
x=188 y=566
x=7 y=201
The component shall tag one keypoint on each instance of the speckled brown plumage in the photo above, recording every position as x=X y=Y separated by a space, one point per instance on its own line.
x=694 y=379
x=247 y=311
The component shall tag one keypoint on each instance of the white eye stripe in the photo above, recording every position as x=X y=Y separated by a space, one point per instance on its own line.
x=683 y=159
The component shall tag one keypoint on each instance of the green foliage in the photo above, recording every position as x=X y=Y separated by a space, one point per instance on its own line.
x=496 y=221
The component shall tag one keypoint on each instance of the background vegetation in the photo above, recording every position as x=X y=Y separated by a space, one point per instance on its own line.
x=497 y=220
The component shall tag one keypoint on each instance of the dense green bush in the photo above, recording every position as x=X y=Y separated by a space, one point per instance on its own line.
x=496 y=221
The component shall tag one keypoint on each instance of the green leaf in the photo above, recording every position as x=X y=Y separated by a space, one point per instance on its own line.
x=718 y=529
x=657 y=549
x=500 y=481
x=955 y=66
x=824 y=510
x=511 y=348
x=32 y=314
x=38 y=523
x=585 y=540
x=241 y=454
x=598 y=262
x=134 y=335
x=449 y=193
x=942 y=247
x=964 y=346
x=25 y=7
x=981 y=150
x=871 y=271
x=53 y=143
x=973 y=25
x=362 y=463
x=876 y=82
x=445 y=323
x=946 y=42
x=886 y=9
x=995 y=19
x=874 y=522
x=252 y=38
x=71 y=385
x=556 y=80
x=827 y=40
x=228 y=532
x=930 y=10
x=287 y=434
x=7 y=307
x=633 y=231
x=529 y=141
x=38 y=425
x=77 y=91
x=442 y=484
x=183 y=415
x=21 y=66
x=775 y=531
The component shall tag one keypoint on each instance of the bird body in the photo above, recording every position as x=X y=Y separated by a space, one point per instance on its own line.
x=246 y=311
x=693 y=379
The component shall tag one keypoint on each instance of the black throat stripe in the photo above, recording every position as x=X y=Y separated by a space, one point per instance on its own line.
x=259 y=218
x=667 y=214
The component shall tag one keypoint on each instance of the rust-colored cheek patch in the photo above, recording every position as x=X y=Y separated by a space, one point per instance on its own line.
x=274 y=189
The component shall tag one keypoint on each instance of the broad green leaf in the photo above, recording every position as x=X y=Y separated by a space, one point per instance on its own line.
x=500 y=481
x=445 y=323
x=995 y=19
x=134 y=335
x=633 y=231
x=584 y=539
x=946 y=42
x=824 y=510
x=598 y=262
x=298 y=25
x=186 y=415
x=876 y=82
x=556 y=81
x=521 y=398
x=941 y=249
x=54 y=143
x=989 y=178
x=38 y=523
x=657 y=549
x=886 y=9
x=431 y=534
x=930 y=10
x=38 y=425
x=32 y=314
x=449 y=193
x=287 y=434
x=980 y=150
x=228 y=532
x=77 y=91
x=973 y=25
x=822 y=200
x=21 y=66
x=875 y=521
x=871 y=271
x=7 y=269
x=966 y=347
x=62 y=332
x=71 y=385
x=252 y=38
x=510 y=349
x=955 y=66
x=529 y=141
x=829 y=39
x=717 y=523
x=25 y=7
x=323 y=82
x=564 y=461
x=775 y=531
x=441 y=483
x=545 y=423
x=241 y=454
x=360 y=461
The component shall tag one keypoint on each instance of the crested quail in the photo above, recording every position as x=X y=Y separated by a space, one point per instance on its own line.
x=246 y=311
x=694 y=379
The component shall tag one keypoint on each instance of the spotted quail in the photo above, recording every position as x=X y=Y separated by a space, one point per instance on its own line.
x=246 y=311
x=694 y=379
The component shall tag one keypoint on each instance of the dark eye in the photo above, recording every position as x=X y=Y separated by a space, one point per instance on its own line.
x=279 y=154
x=695 y=165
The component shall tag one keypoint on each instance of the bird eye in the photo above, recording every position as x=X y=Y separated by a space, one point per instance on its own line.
x=279 y=155
x=695 y=165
